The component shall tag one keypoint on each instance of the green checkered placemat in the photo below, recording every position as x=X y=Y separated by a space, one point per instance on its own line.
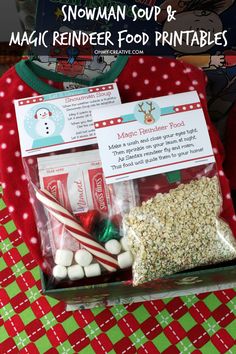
x=33 y=323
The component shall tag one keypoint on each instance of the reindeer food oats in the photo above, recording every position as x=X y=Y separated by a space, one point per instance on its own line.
x=179 y=230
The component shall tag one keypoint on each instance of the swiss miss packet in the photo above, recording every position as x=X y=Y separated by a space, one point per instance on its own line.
x=178 y=226
x=75 y=211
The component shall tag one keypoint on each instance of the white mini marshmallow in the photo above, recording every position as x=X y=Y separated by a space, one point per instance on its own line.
x=93 y=270
x=125 y=260
x=64 y=257
x=125 y=243
x=83 y=258
x=59 y=272
x=113 y=246
x=75 y=272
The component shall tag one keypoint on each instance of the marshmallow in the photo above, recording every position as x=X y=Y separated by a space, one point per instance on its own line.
x=59 y=272
x=93 y=270
x=64 y=257
x=125 y=243
x=75 y=272
x=125 y=260
x=83 y=258
x=113 y=246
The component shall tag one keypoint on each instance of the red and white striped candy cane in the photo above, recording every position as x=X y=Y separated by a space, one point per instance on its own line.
x=76 y=230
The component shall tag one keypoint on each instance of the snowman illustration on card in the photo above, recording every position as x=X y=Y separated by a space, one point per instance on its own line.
x=44 y=123
x=45 y=126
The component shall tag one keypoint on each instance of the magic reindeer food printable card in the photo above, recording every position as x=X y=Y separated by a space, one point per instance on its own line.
x=152 y=136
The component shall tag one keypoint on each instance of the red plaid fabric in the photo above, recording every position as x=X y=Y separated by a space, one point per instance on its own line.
x=33 y=323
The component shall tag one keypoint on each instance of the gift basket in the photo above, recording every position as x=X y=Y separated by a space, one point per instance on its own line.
x=94 y=214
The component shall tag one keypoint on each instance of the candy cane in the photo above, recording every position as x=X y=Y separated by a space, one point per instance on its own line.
x=76 y=230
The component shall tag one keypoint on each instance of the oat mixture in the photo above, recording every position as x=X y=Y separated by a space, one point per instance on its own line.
x=179 y=230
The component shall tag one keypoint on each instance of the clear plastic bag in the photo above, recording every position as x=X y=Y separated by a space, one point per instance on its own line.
x=70 y=187
x=180 y=226
x=161 y=224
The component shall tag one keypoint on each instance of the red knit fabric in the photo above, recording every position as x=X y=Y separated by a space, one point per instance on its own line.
x=142 y=78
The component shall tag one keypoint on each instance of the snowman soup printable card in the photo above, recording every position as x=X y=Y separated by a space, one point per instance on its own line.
x=61 y=120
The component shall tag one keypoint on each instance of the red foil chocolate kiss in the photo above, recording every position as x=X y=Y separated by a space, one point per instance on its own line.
x=88 y=220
